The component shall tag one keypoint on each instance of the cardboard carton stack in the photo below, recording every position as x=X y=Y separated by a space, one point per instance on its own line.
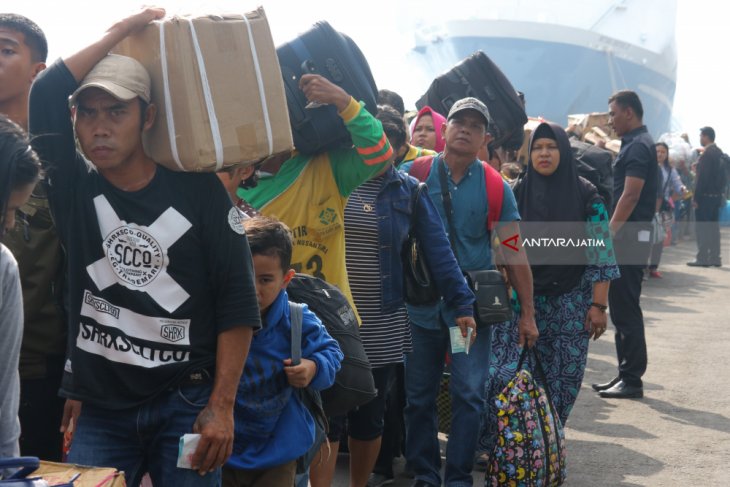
x=594 y=128
x=218 y=89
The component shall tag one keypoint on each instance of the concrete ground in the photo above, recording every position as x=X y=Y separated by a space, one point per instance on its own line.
x=679 y=433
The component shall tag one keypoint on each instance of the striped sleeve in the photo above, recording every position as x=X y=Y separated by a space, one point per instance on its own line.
x=371 y=150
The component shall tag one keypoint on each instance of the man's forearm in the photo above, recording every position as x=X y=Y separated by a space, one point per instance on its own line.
x=624 y=208
x=83 y=61
x=231 y=356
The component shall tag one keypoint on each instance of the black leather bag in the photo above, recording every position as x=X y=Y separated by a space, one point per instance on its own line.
x=492 y=303
x=419 y=289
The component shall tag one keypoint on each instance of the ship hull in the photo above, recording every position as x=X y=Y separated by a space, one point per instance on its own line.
x=559 y=79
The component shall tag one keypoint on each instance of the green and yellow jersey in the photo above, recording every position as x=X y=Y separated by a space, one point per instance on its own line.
x=309 y=194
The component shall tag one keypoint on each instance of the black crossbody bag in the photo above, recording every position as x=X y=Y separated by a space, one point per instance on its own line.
x=492 y=305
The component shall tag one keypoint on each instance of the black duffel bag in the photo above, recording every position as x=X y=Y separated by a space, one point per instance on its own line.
x=477 y=76
x=322 y=50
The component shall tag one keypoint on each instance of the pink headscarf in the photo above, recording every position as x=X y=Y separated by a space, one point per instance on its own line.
x=438 y=121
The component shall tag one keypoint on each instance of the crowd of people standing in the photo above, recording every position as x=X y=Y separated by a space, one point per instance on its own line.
x=82 y=347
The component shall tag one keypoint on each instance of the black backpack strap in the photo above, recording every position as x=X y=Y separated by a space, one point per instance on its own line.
x=296 y=311
x=448 y=206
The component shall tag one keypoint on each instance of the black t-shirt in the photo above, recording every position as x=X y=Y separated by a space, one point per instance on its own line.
x=153 y=275
x=637 y=159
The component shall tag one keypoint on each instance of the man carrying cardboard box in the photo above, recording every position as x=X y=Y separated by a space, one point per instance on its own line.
x=162 y=304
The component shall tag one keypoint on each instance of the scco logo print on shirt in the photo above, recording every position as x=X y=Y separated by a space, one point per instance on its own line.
x=135 y=256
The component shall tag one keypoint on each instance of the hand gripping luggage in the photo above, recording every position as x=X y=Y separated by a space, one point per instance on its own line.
x=479 y=77
x=322 y=50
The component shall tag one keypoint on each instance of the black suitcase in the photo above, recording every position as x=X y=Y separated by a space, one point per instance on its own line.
x=322 y=50
x=479 y=77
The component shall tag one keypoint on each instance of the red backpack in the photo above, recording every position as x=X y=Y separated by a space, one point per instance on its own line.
x=421 y=168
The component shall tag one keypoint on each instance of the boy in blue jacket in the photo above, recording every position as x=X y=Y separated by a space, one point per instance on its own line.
x=272 y=426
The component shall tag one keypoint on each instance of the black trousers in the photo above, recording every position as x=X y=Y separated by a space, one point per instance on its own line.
x=707 y=216
x=624 y=301
x=392 y=443
x=40 y=413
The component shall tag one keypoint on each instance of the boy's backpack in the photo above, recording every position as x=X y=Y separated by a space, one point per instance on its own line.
x=354 y=383
x=309 y=397
x=494 y=185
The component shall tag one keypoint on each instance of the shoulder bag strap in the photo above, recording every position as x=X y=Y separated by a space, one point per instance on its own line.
x=448 y=206
x=297 y=316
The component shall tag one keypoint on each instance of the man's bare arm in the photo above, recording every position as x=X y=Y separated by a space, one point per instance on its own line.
x=627 y=202
x=83 y=61
x=215 y=422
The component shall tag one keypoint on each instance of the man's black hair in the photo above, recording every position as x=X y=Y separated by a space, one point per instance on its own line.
x=387 y=97
x=708 y=132
x=628 y=98
x=35 y=39
x=393 y=125
x=270 y=237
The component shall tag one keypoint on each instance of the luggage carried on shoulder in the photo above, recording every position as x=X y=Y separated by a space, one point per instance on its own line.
x=354 y=383
x=218 y=90
x=322 y=50
x=477 y=76
x=530 y=448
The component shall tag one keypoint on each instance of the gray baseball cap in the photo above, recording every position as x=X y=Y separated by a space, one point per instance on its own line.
x=120 y=76
x=470 y=104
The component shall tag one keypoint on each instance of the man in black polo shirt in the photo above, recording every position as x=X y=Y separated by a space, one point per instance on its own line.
x=634 y=191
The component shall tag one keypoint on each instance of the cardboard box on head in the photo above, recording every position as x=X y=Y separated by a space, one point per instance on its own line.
x=218 y=89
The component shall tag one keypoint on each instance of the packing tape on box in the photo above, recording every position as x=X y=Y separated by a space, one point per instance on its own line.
x=260 y=81
x=214 y=128
x=168 y=99
x=208 y=96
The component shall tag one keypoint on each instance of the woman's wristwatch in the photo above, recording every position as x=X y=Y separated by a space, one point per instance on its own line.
x=600 y=306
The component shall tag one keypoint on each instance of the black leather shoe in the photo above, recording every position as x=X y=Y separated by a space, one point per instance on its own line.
x=623 y=391
x=717 y=263
x=697 y=264
x=605 y=385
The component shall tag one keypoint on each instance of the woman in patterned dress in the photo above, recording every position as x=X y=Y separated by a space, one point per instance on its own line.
x=570 y=283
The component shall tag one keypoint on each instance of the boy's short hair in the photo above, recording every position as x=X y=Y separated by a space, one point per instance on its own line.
x=35 y=39
x=270 y=237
